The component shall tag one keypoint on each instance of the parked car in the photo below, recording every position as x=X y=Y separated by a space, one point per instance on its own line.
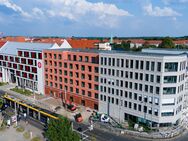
x=78 y=117
x=105 y=118
x=71 y=107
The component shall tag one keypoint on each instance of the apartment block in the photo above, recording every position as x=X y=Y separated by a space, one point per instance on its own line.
x=144 y=87
x=72 y=75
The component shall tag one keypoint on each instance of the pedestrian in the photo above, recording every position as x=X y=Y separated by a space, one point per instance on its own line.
x=25 y=115
x=26 y=122
x=31 y=134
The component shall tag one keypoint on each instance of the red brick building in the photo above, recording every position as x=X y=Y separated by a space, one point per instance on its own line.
x=72 y=75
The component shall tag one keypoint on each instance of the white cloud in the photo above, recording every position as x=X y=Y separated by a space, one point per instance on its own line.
x=77 y=9
x=14 y=7
x=160 y=12
x=174 y=1
x=37 y=12
x=81 y=11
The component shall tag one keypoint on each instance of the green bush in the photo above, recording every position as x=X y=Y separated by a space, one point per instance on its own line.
x=22 y=91
x=20 y=129
x=27 y=135
x=3 y=126
x=36 y=139
x=3 y=83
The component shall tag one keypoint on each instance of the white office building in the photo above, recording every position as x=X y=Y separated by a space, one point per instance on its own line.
x=173 y=51
x=144 y=87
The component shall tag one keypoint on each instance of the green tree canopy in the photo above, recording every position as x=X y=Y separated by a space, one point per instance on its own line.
x=167 y=42
x=60 y=130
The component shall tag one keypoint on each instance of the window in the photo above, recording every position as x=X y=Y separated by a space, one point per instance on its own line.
x=135 y=96
x=83 y=76
x=170 y=79
x=65 y=65
x=59 y=56
x=157 y=91
x=74 y=57
x=113 y=61
x=96 y=69
x=70 y=66
x=171 y=67
x=141 y=76
x=96 y=78
x=96 y=87
x=147 y=65
x=127 y=63
x=55 y=56
x=169 y=90
x=159 y=66
x=151 y=78
x=80 y=58
x=118 y=62
x=151 y=89
x=87 y=59
x=131 y=65
x=158 y=79
x=152 y=66
x=141 y=65
x=83 y=84
x=139 y=108
x=137 y=64
x=136 y=76
x=125 y=103
x=117 y=101
x=146 y=77
x=135 y=106
x=130 y=95
x=96 y=96
x=122 y=63
x=60 y=64
x=89 y=94
x=164 y=114
x=83 y=68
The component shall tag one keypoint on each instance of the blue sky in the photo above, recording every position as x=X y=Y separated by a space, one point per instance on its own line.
x=94 y=17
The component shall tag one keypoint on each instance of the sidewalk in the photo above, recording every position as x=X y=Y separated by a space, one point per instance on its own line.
x=49 y=103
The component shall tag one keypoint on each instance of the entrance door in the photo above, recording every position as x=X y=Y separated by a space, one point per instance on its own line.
x=83 y=102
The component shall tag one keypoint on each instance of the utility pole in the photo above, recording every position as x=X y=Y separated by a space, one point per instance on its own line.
x=34 y=91
x=15 y=113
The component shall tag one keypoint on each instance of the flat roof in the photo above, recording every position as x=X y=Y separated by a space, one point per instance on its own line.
x=168 y=49
x=117 y=52
x=12 y=47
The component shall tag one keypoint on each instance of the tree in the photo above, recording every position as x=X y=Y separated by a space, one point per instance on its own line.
x=167 y=42
x=61 y=130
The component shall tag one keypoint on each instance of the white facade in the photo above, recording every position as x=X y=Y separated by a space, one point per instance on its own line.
x=142 y=86
x=105 y=46
x=21 y=63
x=173 y=51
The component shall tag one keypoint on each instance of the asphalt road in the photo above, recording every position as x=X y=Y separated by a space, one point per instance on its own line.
x=100 y=135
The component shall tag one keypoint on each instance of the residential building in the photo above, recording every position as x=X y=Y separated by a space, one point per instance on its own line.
x=144 y=87
x=72 y=75
x=105 y=46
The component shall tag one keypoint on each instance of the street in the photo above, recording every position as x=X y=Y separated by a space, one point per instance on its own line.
x=100 y=135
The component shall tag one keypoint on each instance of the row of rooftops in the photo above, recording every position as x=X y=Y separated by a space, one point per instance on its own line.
x=84 y=42
x=11 y=48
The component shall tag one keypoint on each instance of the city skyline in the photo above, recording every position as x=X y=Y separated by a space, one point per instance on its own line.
x=94 y=18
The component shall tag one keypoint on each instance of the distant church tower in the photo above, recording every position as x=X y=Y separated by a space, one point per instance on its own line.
x=111 y=40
